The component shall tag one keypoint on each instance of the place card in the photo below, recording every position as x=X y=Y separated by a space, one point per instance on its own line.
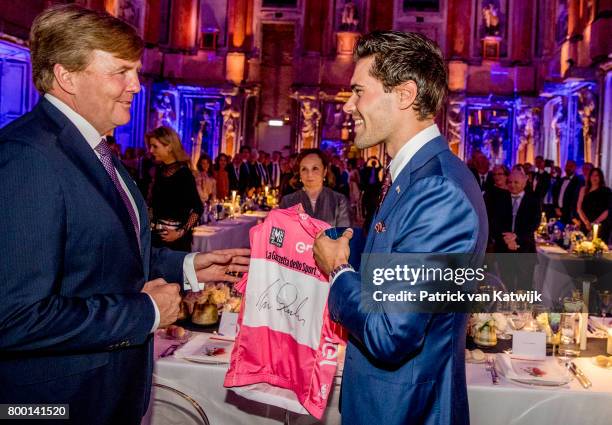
x=229 y=324
x=529 y=345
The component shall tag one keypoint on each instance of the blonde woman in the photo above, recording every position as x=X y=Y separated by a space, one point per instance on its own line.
x=173 y=199
x=205 y=182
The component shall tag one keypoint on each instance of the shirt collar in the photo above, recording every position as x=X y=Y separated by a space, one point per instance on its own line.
x=518 y=195
x=87 y=130
x=410 y=148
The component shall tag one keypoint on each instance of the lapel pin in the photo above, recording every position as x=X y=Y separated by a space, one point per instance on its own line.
x=380 y=227
x=397 y=189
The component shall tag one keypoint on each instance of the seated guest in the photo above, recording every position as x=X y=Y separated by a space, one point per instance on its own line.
x=205 y=182
x=233 y=171
x=221 y=175
x=318 y=201
x=174 y=196
x=593 y=204
x=514 y=217
x=567 y=201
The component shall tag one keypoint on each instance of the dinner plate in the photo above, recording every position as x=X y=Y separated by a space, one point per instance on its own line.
x=164 y=335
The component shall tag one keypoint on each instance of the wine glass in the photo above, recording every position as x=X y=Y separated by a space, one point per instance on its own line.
x=605 y=302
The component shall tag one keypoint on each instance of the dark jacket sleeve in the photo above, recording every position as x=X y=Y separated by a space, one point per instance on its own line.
x=35 y=312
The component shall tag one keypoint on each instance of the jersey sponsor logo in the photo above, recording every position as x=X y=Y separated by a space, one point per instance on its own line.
x=329 y=353
x=302 y=247
x=277 y=236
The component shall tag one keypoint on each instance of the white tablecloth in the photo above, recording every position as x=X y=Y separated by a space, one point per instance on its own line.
x=504 y=404
x=228 y=233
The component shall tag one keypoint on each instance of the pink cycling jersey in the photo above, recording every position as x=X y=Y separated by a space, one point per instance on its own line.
x=286 y=350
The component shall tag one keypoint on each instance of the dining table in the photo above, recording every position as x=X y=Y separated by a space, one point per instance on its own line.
x=227 y=233
x=507 y=403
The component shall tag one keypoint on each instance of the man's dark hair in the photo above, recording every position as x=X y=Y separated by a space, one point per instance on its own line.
x=405 y=56
x=245 y=149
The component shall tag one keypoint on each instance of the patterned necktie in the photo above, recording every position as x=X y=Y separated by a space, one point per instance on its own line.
x=385 y=187
x=107 y=161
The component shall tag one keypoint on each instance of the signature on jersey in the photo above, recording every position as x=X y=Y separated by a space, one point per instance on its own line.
x=284 y=297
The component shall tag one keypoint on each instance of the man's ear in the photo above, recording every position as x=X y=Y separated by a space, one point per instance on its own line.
x=65 y=79
x=406 y=94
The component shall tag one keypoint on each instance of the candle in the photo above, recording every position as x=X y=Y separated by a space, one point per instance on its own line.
x=233 y=196
x=609 y=349
x=266 y=190
x=595 y=229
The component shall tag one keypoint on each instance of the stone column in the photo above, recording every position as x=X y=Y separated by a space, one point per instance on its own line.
x=521 y=29
x=458 y=35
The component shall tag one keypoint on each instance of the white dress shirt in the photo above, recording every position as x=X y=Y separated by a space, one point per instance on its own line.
x=93 y=138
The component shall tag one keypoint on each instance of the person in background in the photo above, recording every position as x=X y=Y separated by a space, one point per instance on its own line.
x=539 y=180
x=82 y=289
x=274 y=170
x=514 y=216
x=233 y=171
x=354 y=193
x=594 y=204
x=205 y=181
x=221 y=175
x=247 y=180
x=288 y=181
x=175 y=203
x=318 y=201
x=480 y=169
x=567 y=200
x=371 y=185
x=257 y=171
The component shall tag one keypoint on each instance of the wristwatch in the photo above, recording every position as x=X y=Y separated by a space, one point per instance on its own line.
x=334 y=272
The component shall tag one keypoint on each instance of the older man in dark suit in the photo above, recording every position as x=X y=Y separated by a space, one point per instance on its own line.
x=82 y=290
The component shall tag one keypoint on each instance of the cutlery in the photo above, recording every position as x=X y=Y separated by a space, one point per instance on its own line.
x=490 y=366
x=579 y=374
x=170 y=350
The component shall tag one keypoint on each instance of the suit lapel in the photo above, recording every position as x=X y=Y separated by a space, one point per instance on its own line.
x=83 y=157
x=138 y=200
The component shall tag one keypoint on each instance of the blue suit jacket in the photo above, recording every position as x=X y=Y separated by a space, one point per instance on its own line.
x=408 y=368
x=74 y=326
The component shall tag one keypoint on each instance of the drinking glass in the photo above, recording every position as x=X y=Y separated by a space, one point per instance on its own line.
x=569 y=343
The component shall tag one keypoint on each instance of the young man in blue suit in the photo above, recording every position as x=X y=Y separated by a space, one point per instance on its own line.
x=82 y=289
x=405 y=368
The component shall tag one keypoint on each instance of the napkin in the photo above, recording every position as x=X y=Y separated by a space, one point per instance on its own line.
x=544 y=372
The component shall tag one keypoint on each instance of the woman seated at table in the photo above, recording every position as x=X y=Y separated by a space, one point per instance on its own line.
x=174 y=200
x=205 y=182
x=593 y=204
x=318 y=201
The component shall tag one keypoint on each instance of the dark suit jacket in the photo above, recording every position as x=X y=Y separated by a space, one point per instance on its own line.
x=526 y=222
x=234 y=180
x=570 y=198
x=409 y=368
x=542 y=184
x=488 y=184
x=247 y=179
x=74 y=325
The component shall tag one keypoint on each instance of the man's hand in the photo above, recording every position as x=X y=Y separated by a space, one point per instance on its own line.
x=167 y=298
x=222 y=265
x=329 y=253
x=510 y=241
